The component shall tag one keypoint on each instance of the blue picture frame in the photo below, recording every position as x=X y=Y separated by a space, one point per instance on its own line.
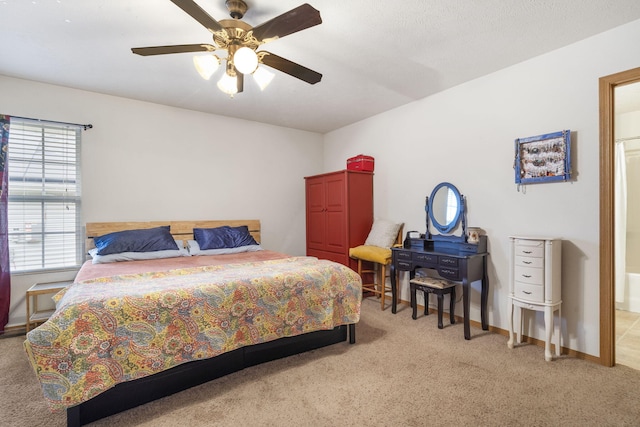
x=543 y=158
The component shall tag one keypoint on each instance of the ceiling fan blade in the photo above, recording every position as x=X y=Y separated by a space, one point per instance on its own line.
x=179 y=48
x=291 y=68
x=197 y=13
x=295 y=20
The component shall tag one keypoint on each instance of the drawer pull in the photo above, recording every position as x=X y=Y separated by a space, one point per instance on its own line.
x=525 y=292
x=526 y=262
x=528 y=276
x=527 y=252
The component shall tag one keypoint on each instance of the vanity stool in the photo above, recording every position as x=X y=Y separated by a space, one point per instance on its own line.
x=431 y=285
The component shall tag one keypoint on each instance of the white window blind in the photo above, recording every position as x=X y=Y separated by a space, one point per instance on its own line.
x=44 y=196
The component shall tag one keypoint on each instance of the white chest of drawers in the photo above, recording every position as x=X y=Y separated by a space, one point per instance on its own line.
x=535 y=284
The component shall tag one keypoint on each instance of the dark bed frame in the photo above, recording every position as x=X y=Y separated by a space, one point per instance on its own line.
x=130 y=394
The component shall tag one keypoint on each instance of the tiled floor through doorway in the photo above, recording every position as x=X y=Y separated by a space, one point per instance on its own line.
x=628 y=339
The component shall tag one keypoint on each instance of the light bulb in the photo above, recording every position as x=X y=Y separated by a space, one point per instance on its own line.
x=206 y=65
x=263 y=77
x=245 y=60
x=228 y=84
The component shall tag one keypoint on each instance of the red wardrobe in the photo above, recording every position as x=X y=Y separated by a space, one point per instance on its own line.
x=339 y=213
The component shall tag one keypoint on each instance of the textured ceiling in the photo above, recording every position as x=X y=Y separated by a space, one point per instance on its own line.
x=374 y=55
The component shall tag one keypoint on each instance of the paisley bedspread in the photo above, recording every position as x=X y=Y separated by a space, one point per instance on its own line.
x=114 y=329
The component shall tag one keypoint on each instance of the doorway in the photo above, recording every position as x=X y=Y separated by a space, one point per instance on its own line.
x=607 y=87
x=627 y=224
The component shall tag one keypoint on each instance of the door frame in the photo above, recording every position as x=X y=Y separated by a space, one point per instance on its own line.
x=607 y=86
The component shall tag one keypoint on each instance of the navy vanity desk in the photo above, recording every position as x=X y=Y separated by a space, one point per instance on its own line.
x=460 y=262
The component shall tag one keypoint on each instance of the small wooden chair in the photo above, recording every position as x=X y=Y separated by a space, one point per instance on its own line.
x=431 y=285
x=380 y=257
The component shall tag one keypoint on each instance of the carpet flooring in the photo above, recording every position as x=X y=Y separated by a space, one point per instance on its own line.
x=400 y=372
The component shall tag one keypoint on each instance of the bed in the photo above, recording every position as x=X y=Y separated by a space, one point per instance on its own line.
x=129 y=332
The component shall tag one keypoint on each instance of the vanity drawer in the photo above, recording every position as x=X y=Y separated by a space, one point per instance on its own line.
x=449 y=273
x=404 y=265
x=469 y=247
x=528 y=261
x=404 y=255
x=528 y=275
x=448 y=261
x=528 y=291
x=425 y=258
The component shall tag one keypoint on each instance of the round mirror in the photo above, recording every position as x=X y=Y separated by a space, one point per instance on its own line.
x=445 y=207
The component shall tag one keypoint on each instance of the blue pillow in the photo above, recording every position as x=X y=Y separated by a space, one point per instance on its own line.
x=144 y=240
x=223 y=237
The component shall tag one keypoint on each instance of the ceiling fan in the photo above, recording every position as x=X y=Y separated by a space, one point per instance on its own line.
x=241 y=41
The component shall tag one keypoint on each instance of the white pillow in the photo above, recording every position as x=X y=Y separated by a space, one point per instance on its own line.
x=136 y=256
x=383 y=233
x=194 y=249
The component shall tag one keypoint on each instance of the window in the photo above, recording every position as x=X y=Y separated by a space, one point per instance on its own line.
x=44 y=196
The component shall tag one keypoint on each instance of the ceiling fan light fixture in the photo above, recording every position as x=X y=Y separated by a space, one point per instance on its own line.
x=240 y=42
x=206 y=65
x=245 y=60
x=228 y=84
x=263 y=77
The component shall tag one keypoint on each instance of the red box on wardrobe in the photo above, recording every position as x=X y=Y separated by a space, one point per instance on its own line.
x=361 y=163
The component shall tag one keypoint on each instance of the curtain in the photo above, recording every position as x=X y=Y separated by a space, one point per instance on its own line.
x=5 y=277
x=620 y=219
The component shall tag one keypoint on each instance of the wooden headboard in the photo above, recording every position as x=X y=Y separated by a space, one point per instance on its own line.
x=181 y=230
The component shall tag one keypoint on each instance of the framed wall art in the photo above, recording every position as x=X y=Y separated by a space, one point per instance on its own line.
x=543 y=158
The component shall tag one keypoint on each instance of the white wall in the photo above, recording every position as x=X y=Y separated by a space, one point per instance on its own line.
x=143 y=161
x=466 y=135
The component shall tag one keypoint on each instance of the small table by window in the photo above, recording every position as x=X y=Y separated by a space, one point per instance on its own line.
x=35 y=316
